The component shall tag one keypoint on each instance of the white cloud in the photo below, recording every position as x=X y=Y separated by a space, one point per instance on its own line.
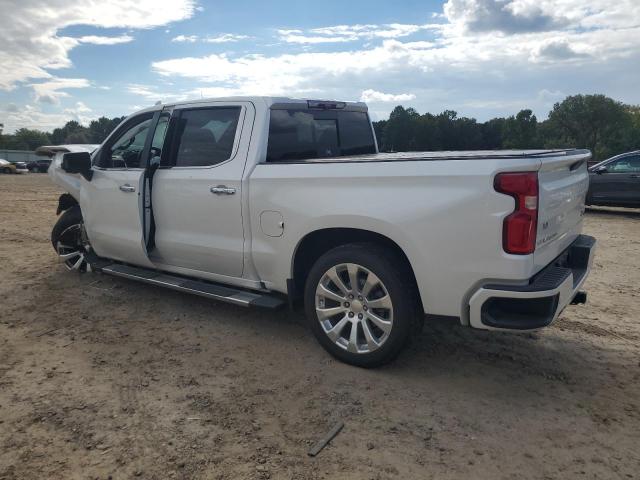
x=80 y=113
x=100 y=40
x=370 y=95
x=511 y=16
x=224 y=38
x=52 y=90
x=32 y=117
x=150 y=93
x=556 y=49
x=350 y=33
x=185 y=38
x=31 y=46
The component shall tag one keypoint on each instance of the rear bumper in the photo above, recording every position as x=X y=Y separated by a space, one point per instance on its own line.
x=540 y=301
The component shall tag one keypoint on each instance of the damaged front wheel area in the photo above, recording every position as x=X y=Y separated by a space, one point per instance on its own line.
x=70 y=240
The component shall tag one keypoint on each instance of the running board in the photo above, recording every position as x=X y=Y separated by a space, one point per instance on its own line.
x=227 y=294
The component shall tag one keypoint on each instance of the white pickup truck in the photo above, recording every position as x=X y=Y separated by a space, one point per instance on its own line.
x=257 y=201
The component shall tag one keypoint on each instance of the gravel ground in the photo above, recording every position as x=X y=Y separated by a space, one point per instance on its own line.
x=105 y=378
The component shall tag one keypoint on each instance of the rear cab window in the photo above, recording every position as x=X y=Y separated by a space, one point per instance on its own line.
x=303 y=133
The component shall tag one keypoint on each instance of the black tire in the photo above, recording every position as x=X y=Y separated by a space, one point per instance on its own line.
x=400 y=285
x=70 y=217
x=6 y=170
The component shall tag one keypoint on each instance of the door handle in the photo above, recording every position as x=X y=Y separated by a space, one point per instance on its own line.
x=127 y=188
x=223 y=190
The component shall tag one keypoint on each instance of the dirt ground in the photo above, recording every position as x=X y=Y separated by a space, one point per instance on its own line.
x=105 y=378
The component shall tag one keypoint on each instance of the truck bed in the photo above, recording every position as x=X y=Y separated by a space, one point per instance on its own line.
x=443 y=155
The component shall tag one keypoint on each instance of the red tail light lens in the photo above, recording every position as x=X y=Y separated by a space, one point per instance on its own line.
x=519 y=228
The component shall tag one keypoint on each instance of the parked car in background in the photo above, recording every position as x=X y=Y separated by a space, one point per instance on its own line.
x=615 y=182
x=39 y=166
x=6 y=167
x=12 y=167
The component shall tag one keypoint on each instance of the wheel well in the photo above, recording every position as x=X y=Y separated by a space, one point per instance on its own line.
x=65 y=202
x=317 y=243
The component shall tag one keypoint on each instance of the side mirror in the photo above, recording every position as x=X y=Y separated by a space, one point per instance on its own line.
x=78 y=162
x=600 y=170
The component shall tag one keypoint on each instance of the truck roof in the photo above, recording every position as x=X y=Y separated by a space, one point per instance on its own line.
x=269 y=102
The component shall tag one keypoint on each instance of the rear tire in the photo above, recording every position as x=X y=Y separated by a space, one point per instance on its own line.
x=364 y=287
x=6 y=170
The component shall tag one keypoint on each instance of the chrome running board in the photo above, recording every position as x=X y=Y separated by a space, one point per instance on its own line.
x=224 y=293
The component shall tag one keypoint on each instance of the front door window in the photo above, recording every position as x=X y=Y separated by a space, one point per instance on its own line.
x=126 y=150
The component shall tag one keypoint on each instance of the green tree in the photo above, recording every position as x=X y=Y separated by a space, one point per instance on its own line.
x=100 y=129
x=399 y=132
x=26 y=139
x=596 y=122
x=520 y=131
x=78 y=136
x=492 y=134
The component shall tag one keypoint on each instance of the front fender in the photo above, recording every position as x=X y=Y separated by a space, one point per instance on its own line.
x=65 y=202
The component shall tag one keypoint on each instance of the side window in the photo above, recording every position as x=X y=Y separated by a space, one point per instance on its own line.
x=126 y=150
x=204 y=136
x=355 y=134
x=307 y=134
x=625 y=165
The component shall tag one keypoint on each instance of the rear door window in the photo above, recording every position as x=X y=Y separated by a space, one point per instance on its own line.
x=204 y=136
x=307 y=134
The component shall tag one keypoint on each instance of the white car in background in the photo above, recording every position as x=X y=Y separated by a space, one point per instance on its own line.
x=13 y=167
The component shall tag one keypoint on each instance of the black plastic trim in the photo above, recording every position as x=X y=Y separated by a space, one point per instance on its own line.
x=519 y=313
x=65 y=202
x=383 y=157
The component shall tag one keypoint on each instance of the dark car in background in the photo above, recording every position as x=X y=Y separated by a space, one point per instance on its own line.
x=615 y=182
x=39 y=166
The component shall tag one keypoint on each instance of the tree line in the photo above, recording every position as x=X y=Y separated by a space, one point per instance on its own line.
x=72 y=132
x=599 y=123
x=603 y=125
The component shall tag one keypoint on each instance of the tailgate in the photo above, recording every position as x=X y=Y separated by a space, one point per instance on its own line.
x=563 y=184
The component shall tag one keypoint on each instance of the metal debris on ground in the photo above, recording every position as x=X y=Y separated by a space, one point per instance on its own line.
x=324 y=441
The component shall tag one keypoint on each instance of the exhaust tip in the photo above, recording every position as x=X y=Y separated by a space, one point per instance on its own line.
x=580 y=298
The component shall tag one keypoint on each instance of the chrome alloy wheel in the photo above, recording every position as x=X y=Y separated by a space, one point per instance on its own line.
x=354 y=308
x=72 y=247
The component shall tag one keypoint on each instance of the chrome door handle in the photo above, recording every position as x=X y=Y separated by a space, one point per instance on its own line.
x=223 y=190
x=127 y=188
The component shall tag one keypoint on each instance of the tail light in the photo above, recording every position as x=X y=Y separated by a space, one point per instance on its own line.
x=519 y=228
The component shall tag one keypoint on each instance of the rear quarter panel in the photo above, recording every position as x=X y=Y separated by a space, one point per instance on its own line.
x=445 y=215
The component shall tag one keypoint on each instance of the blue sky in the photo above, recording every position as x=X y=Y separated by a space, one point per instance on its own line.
x=64 y=59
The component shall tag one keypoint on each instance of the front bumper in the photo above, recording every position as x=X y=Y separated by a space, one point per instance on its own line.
x=540 y=301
